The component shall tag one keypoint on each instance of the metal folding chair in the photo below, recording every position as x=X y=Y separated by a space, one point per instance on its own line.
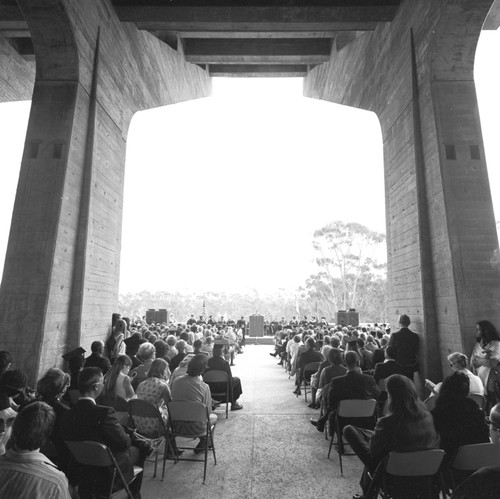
x=309 y=370
x=421 y=471
x=183 y=417
x=215 y=379
x=348 y=409
x=148 y=423
x=119 y=404
x=90 y=453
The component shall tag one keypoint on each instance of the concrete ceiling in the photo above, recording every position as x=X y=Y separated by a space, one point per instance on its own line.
x=242 y=37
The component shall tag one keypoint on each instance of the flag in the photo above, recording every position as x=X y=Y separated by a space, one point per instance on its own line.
x=204 y=311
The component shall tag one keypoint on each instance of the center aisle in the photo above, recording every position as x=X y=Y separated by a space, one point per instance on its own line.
x=267 y=450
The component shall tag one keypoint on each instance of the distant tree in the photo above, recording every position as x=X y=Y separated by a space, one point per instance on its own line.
x=348 y=266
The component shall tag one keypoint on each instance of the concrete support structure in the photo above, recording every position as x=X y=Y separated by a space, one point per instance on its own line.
x=60 y=282
x=416 y=74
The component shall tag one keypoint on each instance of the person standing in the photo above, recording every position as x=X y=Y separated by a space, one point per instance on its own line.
x=405 y=344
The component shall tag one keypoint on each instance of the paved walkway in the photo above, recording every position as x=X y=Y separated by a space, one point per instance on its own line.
x=267 y=450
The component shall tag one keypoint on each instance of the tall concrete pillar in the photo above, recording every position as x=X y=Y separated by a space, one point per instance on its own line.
x=416 y=73
x=60 y=282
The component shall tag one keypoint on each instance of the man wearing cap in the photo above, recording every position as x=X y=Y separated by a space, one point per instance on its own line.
x=89 y=421
x=219 y=363
x=96 y=358
x=24 y=470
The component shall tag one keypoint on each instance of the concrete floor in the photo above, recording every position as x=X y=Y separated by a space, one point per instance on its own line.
x=267 y=450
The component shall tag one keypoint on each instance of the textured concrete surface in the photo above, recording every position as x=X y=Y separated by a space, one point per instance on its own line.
x=268 y=449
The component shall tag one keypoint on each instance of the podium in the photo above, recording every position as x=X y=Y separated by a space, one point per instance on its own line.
x=256 y=326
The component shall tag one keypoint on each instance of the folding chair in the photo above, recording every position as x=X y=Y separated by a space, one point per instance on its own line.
x=182 y=419
x=119 y=404
x=309 y=370
x=148 y=423
x=471 y=457
x=349 y=409
x=215 y=379
x=480 y=400
x=89 y=453
x=421 y=471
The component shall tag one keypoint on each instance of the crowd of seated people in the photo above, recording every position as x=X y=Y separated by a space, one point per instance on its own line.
x=156 y=363
x=372 y=363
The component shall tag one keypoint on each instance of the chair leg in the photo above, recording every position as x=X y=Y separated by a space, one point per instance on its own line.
x=227 y=407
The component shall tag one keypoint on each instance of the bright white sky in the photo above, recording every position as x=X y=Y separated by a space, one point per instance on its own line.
x=224 y=193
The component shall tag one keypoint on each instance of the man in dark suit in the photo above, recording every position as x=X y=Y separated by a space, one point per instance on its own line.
x=304 y=358
x=405 y=344
x=353 y=385
x=219 y=363
x=97 y=359
x=384 y=369
x=89 y=421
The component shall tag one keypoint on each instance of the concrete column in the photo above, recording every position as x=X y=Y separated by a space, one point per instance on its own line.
x=416 y=74
x=60 y=282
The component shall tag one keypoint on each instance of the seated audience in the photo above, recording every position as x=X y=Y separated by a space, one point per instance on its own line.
x=353 y=385
x=408 y=426
x=457 y=418
x=14 y=384
x=24 y=470
x=191 y=388
x=306 y=357
x=97 y=359
x=89 y=421
x=208 y=346
x=218 y=362
x=132 y=345
x=172 y=352
x=161 y=349
x=117 y=382
x=335 y=369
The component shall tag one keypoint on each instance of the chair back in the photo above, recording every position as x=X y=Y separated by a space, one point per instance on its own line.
x=215 y=376
x=356 y=408
x=475 y=456
x=146 y=418
x=91 y=453
x=119 y=404
x=188 y=411
x=311 y=367
x=418 y=463
x=479 y=399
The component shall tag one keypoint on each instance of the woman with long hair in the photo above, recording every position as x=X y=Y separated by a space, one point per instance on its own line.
x=408 y=426
x=457 y=418
x=485 y=354
x=117 y=382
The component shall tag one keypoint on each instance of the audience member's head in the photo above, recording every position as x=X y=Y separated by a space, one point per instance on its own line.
x=13 y=382
x=161 y=349
x=335 y=356
x=53 y=384
x=389 y=352
x=197 y=344
x=458 y=361
x=91 y=381
x=310 y=343
x=181 y=346
x=453 y=389
x=352 y=360
x=159 y=369
x=197 y=365
x=146 y=352
x=97 y=347
x=403 y=397
x=32 y=426
x=486 y=332
x=404 y=320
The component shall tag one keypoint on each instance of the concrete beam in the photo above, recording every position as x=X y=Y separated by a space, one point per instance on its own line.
x=286 y=51
x=258 y=70
x=236 y=35
x=254 y=17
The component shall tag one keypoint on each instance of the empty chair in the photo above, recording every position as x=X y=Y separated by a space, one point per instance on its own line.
x=97 y=455
x=218 y=381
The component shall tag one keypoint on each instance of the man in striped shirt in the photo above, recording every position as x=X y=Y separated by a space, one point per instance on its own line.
x=24 y=470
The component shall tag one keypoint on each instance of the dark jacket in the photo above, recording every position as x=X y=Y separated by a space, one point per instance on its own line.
x=98 y=360
x=352 y=385
x=405 y=344
x=387 y=368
